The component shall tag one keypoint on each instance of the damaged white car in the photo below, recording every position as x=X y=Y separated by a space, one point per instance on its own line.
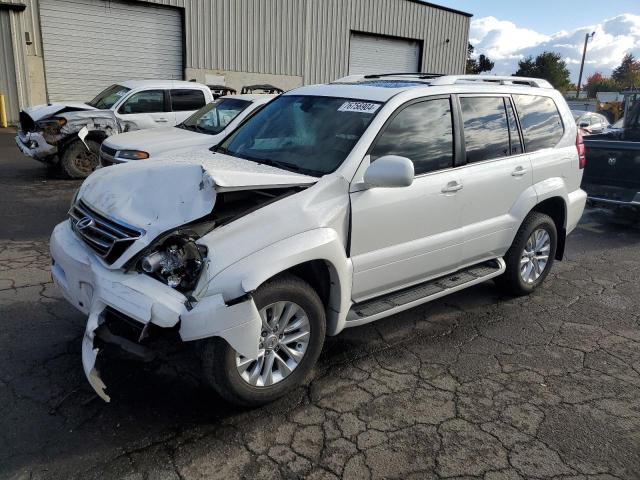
x=49 y=133
x=333 y=206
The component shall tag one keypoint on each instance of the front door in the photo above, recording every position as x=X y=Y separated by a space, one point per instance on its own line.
x=146 y=109
x=403 y=236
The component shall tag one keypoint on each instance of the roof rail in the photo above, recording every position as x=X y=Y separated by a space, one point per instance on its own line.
x=501 y=80
x=374 y=76
x=404 y=74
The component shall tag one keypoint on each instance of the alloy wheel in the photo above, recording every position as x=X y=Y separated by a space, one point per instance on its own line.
x=282 y=344
x=535 y=256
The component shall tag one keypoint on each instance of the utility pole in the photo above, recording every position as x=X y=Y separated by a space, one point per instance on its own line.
x=584 y=54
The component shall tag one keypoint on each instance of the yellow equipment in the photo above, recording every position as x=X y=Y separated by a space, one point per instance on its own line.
x=3 y=113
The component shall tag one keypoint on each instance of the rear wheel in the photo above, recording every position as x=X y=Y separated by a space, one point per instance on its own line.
x=531 y=255
x=293 y=330
x=76 y=161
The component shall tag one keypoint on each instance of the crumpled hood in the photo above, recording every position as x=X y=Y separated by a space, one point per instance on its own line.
x=43 y=111
x=158 y=196
x=157 y=140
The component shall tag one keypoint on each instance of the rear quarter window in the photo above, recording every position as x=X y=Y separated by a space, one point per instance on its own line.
x=540 y=121
x=184 y=100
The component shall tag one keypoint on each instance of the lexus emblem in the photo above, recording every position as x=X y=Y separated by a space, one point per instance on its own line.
x=612 y=161
x=84 y=222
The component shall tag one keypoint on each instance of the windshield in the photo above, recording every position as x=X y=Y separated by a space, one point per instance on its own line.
x=309 y=134
x=214 y=117
x=109 y=97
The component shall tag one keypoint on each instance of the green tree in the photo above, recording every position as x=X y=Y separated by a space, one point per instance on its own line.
x=627 y=74
x=476 y=66
x=599 y=83
x=547 y=65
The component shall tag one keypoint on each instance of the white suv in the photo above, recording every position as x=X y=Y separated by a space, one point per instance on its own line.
x=333 y=206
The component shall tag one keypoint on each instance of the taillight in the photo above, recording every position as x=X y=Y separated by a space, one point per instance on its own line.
x=582 y=159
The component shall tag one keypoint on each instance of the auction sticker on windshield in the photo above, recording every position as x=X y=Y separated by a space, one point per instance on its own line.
x=361 y=107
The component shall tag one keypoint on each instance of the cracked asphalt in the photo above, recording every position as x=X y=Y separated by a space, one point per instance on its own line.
x=475 y=385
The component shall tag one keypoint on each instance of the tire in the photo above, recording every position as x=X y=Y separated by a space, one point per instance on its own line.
x=76 y=161
x=221 y=364
x=514 y=281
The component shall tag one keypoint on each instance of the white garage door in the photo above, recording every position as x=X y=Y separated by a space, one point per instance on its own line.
x=375 y=54
x=91 y=44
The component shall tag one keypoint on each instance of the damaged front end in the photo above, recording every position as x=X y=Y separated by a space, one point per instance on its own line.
x=44 y=136
x=141 y=284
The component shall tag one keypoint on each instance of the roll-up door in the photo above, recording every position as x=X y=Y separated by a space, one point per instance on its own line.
x=377 y=54
x=91 y=44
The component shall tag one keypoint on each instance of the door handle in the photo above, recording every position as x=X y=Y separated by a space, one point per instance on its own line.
x=519 y=172
x=451 y=187
x=161 y=120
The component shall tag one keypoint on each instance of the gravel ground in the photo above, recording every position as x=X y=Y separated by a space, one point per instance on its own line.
x=475 y=385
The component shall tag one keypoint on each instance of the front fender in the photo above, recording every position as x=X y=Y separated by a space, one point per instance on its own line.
x=246 y=275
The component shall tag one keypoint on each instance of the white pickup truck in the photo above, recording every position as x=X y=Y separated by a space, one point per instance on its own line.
x=49 y=133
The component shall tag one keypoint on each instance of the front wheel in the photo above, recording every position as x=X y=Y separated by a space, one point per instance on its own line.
x=293 y=331
x=77 y=161
x=531 y=255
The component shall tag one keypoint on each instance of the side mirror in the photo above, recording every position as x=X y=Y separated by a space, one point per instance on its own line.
x=389 y=171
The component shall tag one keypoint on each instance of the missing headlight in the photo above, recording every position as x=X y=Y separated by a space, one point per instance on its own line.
x=177 y=261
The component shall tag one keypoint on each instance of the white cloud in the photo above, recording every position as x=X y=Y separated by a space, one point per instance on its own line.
x=506 y=43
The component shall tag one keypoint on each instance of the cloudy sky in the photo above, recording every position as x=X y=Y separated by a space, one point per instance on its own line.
x=508 y=31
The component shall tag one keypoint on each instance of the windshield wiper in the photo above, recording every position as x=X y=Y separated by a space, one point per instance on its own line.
x=184 y=126
x=287 y=166
x=219 y=149
x=272 y=163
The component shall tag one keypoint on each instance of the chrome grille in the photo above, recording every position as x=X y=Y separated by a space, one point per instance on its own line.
x=109 y=238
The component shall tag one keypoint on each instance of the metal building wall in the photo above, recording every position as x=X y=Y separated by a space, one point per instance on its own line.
x=331 y=21
x=310 y=38
x=8 y=86
x=305 y=40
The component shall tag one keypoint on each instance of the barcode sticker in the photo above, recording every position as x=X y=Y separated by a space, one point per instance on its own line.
x=361 y=107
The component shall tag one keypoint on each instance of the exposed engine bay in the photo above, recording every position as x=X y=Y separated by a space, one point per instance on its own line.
x=177 y=260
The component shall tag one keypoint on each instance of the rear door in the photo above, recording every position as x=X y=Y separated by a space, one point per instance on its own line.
x=496 y=175
x=185 y=102
x=147 y=109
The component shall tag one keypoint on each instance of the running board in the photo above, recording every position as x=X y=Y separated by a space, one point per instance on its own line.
x=392 y=303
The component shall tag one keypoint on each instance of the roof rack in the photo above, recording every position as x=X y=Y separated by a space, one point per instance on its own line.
x=400 y=75
x=441 y=79
x=220 y=91
x=404 y=74
x=496 y=79
x=262 y=88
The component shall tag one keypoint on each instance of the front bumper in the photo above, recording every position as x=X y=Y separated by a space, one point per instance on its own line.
x=33 y=144
x=93 y=288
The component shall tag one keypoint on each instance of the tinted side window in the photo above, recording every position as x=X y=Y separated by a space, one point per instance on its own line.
x=421 y=132
x=540 y=121
x=149 y=101
x=514 y=134
x=187 y=100
x=486 y=131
